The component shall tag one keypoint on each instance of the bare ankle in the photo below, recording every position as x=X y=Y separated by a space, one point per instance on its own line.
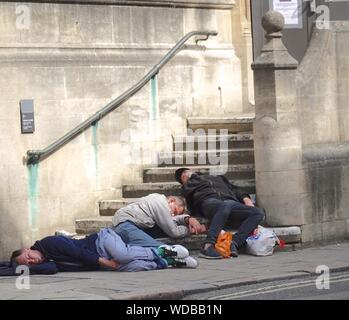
x=207 y=245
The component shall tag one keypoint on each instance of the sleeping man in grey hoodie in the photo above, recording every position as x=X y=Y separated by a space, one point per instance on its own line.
x=134 y=222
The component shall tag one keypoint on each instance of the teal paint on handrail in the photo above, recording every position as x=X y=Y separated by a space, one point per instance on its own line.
x=95 y=148
x=154 y=98
x=33 y=174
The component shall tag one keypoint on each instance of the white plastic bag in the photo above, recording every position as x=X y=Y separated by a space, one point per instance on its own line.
x=261 y=242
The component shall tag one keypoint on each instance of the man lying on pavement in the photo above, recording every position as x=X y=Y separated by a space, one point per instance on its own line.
x=99 y=251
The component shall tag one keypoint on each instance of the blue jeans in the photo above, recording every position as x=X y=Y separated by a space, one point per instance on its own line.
x=228 y=212
x=131 y=258
x=133 y=235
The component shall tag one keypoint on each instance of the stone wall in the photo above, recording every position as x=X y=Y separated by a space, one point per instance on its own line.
x=300 y=132
x=326 y=213
x=322 y=87
x=71 y=60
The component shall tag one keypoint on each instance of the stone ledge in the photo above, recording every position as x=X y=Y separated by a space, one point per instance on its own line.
x=247 y=118
x=291 y=235
x=117 y=55
x=207 y=4
x=109 y=207
x=326 y=152
x=291 y=238
x=173 y=188
x=92 y=225
x=232 y=172
x=241 y=123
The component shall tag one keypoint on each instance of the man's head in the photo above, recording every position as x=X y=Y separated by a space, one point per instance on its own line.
x=182 y=175
x=177 y=205
x=27 y=256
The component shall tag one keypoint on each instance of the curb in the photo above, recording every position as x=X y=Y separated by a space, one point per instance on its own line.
x=152 y=294
x=177 y=294
x=259 y=281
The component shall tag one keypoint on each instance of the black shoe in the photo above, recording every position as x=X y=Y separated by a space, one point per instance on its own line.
x=210 y=253
x=234 y=250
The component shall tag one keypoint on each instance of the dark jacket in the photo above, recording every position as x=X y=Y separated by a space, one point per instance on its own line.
x=201 y=187
x=9 y=268
x=64 y=254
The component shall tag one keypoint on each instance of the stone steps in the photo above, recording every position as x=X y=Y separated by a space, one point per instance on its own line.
x=109 y=207
x=234 y=124
x=290 y=235
x=173 y=188
x=212 y=142
x=92 y=225
x=237 y=144
x=207 y=157
x=232 y=172
x=161 y=179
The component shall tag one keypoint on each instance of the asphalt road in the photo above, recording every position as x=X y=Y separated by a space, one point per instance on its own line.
x=303 y=288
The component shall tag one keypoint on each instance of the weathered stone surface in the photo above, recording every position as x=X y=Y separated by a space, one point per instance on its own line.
x=317 y=86
x=233 y=172
x=276 y=182
x=109 y=207
x=210 y=141
x=288 y=234
x=87 y=226
x=72 y=60
x=327 y=179
x=273 y=21
x=280 y=180
x=208 y=157
x=277 y=158
x=274 y=55
x=234 y=124
x=214 y=4
x=173 y=188
x=92 y=225
x=311 y=233
x=325 y=231
x=334 y=230
x=283 y=210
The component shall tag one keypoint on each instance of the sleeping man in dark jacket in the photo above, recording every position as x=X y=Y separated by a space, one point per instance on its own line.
x=217 y=199
x=104 y=250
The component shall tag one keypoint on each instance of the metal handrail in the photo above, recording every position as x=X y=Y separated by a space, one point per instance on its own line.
x=34 y=156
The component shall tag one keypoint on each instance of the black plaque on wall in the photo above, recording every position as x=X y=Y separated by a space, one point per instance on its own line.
x=27 y=116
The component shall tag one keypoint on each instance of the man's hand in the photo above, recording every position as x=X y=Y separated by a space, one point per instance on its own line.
x=203 y=229
x=195 y=227
x=111 y=264
x=248 y=202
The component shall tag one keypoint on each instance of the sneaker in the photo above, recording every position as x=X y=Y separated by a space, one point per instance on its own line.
x=176 y=251
x=234 y=250
x=210 y=253
x=188 y=262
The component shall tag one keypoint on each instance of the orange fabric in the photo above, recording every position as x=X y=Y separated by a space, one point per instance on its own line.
x=223 y=244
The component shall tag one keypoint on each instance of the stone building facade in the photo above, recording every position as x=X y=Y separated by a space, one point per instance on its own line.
x=72 y=58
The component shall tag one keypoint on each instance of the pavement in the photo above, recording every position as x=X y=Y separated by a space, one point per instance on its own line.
x=178 y=283
x=328 y=286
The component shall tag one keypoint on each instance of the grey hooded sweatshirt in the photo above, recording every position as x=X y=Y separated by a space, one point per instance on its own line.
x=150 y=211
